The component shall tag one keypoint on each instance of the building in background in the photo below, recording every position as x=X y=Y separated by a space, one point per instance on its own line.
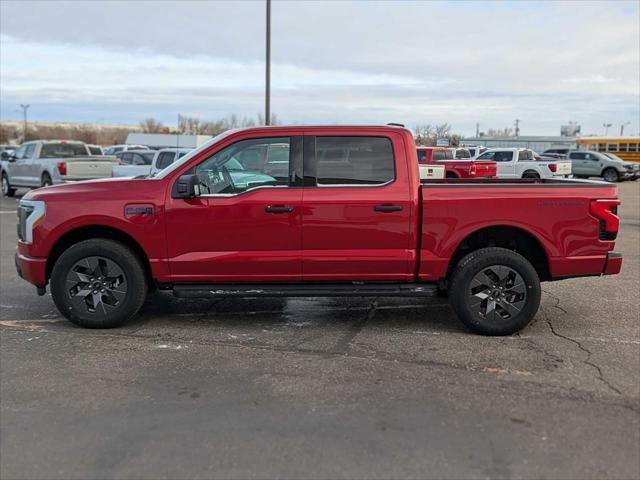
x=536 y=143
x=167 y=140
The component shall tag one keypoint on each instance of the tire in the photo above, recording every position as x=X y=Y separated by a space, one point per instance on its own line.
x=450 y=175
x=7 y=191
x=110 y=284
x=530 y=174
x=471 y=297
x=46 y=180
x=610 y=175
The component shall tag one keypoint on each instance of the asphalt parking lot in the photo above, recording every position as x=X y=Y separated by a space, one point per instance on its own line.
x=324 y=388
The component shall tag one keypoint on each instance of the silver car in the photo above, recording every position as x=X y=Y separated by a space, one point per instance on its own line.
x=595 y=164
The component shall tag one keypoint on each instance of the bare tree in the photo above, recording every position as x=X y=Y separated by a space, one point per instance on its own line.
x=497 y=132
x=151 y=125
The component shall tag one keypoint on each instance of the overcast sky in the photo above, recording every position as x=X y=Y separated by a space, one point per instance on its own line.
x=332 y=62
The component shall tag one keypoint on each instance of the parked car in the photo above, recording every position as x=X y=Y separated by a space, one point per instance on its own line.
x=153 y=162
x=7 y=151
x=521 y=163
x=475 y=150
x=556 y=152
x=112 y=150
x=95 y=149
x=350 y=217
x=608 y=166
x=456 y=168
x=46 y=162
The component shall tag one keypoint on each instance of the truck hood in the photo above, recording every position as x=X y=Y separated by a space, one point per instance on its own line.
x=103 y=186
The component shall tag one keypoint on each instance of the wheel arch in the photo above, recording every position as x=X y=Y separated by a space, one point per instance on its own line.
x=506 y=236
x=530 y=170
x=88 y=232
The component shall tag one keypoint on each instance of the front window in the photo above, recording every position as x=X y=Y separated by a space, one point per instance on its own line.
x=354 y=161
x=246 y=165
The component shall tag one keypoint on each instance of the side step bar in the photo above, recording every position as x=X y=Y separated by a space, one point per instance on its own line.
x=307 y=290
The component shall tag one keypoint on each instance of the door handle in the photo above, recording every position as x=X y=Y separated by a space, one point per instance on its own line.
x=278 y=209
x=388 y=208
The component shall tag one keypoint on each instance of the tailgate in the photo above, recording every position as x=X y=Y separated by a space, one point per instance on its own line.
x=87 y=168
x=563 y=167
x=485 y=169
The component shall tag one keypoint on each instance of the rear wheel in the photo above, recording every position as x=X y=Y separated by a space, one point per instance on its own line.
x=530 y=174
x=46 y=180
x=451 y=175
x=98 y=284
x=495 y=291
x=610 y=175
x=7 y=190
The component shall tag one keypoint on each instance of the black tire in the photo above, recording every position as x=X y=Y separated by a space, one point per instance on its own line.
x=7 y=191
x=450 y=175
x=46 y=180
x=530 y=174
x=465 y=292
x=610 y=175
x=110 y=309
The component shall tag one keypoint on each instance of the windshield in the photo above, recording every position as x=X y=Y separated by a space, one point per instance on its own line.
x=55 y=150
x=177 y=164
x=614 y=157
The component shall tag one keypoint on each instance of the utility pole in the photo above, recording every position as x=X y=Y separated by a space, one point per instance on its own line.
x=24 y=116
x=606 y=128
x=267 y=83
x=517 y=127
x=477 y=129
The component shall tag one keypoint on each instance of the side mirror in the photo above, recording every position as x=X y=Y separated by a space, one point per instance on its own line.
x=187 y=186
x=8 y=156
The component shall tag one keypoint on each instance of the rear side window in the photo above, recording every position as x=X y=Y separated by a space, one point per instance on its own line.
x=577 y=155
x=164 y=160
x=439 y=155
x=354 y=160
x=525 y=155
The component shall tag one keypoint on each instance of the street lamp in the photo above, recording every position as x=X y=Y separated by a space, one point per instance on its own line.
x=622 y=128
x=24 y=116
x=267 y=83
x=606 y=128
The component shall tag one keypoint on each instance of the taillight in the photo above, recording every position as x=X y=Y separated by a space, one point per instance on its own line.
x=62 y=168
x=553 y=167
x=606 y=211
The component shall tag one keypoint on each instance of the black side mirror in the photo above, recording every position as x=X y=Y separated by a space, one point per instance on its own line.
x=8 y=156
x=187 y=186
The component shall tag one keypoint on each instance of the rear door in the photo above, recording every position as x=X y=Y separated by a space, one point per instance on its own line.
x=357 y=215
x=593 y=164
x=579 y=163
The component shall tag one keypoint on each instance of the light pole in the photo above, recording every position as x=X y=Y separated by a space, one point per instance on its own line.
x=622 y=128
x=267 y=83
x=606 y=128
x=24 y=116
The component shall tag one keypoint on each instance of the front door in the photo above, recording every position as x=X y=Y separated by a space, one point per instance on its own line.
x=357 y=217
x=246 y=225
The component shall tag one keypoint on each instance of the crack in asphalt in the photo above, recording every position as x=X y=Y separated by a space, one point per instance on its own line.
x=587 y=361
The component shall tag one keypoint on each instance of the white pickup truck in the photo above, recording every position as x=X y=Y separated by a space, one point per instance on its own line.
x=134 y=163
x=521 y=163
x=46 y=162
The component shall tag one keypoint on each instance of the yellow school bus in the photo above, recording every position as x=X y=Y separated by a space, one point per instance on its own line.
x=627 y=148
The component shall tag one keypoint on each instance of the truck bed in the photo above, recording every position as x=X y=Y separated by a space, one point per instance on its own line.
x=554 y=212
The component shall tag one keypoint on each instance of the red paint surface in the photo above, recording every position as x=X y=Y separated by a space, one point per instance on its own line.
x=332 y=234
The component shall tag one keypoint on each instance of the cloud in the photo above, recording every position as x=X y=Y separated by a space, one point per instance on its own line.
x=338 y=62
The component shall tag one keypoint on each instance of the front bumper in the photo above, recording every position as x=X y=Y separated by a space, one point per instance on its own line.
x=613 y=264
x=33 y=270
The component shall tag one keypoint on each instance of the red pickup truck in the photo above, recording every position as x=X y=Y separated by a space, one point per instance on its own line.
x=456 y=168
x=313 y=211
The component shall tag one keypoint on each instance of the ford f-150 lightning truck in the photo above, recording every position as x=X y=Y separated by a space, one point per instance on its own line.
x=313 y=211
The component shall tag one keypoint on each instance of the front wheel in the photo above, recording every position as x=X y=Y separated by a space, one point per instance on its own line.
x=98 y=284
x=610 y=175
x=7 y=190
x=46 y=180
x=495 y=291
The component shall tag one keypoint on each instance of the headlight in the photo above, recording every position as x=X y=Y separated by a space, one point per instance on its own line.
x=30 y=213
